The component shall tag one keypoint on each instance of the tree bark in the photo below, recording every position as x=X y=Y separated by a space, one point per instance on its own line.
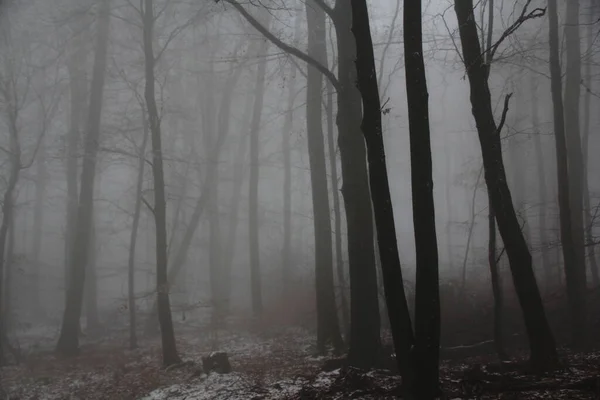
x=337 y=213
x=134 y=232
x=68 y=343
x=589 y=228
x=574 y=264
x=542 y=187
x=38 y=225
x=427 y=297
x=169 y=348
x=365 y=342
x=253 y=230
x=380 y=191
x=328 y=330
x=541 y=340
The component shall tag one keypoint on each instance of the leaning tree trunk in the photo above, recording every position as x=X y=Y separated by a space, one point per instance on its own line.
x=427 y=298
x=169 y=348
x=68 y=342
x=541 y=340
x=91 y=283
x=365 y=321
x=328 y=329
x=134 y=232
x=380 y=191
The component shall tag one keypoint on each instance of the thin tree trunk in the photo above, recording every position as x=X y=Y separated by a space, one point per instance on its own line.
x=574 y=263
x=68 y=342
x=241 y=157
x=77 y=87
x=541 y=341
x=134 y=232
x=427 y=297
x=337 y=213
x=169 y=348
x=38 y=225
x=380 y=191
x=328 y=330
x=253 y=229
x=91 y=288
x=492 y=258
x=542 y=187
x=9 y=273
x=286 y=148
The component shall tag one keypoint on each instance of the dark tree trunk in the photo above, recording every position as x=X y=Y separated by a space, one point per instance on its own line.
x=365 y=342
x=574 y=263
x=589 y=221
x=541 y=341
x=68 y=343
x=496 y=285
x=328 y=330
x=427 y=298
x=169 y=349
x=134 y=232
x=380 y=191
x=253 y=230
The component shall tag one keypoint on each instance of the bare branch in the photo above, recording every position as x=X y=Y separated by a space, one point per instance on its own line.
x=504 y=112
x=283 y=46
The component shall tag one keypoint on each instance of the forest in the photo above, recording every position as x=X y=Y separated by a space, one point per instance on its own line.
x=299 y=199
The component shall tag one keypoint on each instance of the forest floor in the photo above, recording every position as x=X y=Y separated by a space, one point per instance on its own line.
x=279 y=365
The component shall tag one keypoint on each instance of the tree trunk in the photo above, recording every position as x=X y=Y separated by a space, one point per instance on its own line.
x=541 y=341
x=286 y=148
x=169 y=348
x=589 y=228
x=365 y=342
x=68 y=343
x=328 y=330
x=337 y=213
x=427 y=298
x=542 y=188
x=38 y=225
x=380 y=191
x=77 y=91
x=496 y=285
x=134 y=232
x=91 y=283
x=241 y=157
x=253 y=230
x=574 y=263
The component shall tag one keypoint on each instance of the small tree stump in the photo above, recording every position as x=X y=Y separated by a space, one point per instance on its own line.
x=217 y=362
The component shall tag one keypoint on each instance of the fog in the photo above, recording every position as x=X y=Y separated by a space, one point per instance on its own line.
x=226 y=130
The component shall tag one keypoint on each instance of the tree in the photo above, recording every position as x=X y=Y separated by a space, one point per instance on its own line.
x=427 y=296
x=68 y=343
x=572 y=247
x=169 y=348
x=253 y=234
x=380 y=191
x=328 y=329
x=541 y=340
x=134 y=231
x=365 y=342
